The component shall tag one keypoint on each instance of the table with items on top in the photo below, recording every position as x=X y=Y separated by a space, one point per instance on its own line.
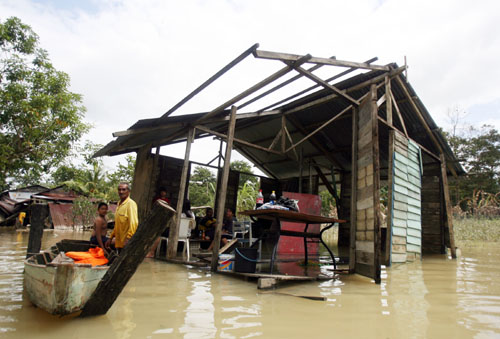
x=279 y=216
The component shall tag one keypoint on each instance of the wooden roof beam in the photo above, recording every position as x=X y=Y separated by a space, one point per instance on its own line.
x=254 y=88
x=210 y=80
x=283 y=84
x=324 y=61
x=239 y=141
x=326 y=85
x=341 y=74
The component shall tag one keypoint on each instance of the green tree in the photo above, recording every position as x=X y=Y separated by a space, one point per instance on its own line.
x=124 y=172
x=244 y=167
x=40 y=119
x=202 y=187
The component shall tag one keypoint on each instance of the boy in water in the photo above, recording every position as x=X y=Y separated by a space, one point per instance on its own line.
x=100 y=227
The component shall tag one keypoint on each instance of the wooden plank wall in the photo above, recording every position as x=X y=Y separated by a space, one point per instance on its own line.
x=345 y=209
x=365 y=253
x=406 y=213
x=432 y=214
x=169 y=176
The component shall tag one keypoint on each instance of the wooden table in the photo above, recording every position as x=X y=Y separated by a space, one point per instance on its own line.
x=277 y=216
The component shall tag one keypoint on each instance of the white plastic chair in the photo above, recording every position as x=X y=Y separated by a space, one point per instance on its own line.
x=187 y=224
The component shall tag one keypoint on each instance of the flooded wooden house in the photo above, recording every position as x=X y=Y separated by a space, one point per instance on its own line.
x=360 y=131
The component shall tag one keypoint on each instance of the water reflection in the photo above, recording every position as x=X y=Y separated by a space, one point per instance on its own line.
x=435 y=297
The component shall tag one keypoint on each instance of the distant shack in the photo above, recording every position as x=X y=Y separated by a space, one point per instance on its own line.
x=354 y=132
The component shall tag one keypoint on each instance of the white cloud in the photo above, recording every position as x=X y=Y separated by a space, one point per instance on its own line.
x=135 y=59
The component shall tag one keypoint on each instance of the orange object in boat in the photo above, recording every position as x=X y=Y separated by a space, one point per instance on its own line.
x=94 y=256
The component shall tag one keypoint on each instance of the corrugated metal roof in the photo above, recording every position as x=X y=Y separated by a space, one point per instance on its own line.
x=61 y=214
x=332 y=145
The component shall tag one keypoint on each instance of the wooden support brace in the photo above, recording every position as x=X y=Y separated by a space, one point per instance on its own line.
x=223 y=190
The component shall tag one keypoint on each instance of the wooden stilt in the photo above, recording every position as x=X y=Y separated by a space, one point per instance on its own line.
x=354 y=191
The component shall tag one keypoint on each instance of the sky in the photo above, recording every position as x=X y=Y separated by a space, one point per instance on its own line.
x=134 y=59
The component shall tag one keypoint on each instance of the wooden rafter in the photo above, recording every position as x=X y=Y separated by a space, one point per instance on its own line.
x=332 y=62
x=209 y=81
x=277 y=87
x=398 y=112
x=336 y=76
x=319 y=128
x=326 y=85
x=239 y=141
x=254 y=88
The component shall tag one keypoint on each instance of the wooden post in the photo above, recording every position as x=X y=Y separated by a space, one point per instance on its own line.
x=310 y=178
x=283 y=135
x=223 y=189
x=390 y=179
x=447 y=202
x=301 y=167
x=354 y=191
x=388 y=100
x=122 y=269
x=37 y=217
x=173 y=236
x=376 y=182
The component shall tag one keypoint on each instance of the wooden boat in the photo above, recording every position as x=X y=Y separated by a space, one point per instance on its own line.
x=61 y=288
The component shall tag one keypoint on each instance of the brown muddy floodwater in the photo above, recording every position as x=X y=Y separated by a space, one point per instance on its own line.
x=434 y=298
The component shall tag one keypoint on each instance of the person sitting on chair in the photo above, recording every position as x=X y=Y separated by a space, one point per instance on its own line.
x=227 y=228
x=207 y=224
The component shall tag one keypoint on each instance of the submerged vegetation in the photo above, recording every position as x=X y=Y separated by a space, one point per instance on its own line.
x=481 y=229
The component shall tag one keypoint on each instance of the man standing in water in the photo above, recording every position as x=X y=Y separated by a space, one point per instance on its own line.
x=126 y=219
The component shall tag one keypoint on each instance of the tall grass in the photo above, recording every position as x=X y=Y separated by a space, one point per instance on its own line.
x=481 y=229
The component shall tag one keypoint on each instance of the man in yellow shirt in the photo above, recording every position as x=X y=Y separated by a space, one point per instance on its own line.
x=126 y=220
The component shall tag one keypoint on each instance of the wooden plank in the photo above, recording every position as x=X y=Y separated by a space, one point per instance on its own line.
x=318 y=129
x=401 y=189
x=325 y=61
x=414 y=202
x=376 y=181
x=398 y=258
x=447 y=202
x=336 y=76
x=399 y=222
x=398 y=113
x=399 y=249
x=38 y=214
x=400 y=206
x=365 y=246
x=253 y=89
x=415 y=217
x=399 y=231
x=388 y=100
x=354 y=199
x=400 y=174
x=400 y=197
x=417 y=248
x=390 y=200
x=364 y=258
x=210 y=80
x=413 y=240
x=397 y=240
x=414 y=232
x=236 y=140
x=277 y=87
x=173 y=235
x=124 y=267
x=319 y=81
x=414 y=210
x=400 y=215
x=223 y=190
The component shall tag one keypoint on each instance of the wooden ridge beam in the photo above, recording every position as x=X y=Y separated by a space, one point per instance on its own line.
x=324 y=61
x=210 y=80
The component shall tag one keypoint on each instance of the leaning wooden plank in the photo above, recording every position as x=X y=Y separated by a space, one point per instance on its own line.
x=132 y=255
x=227 y=247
